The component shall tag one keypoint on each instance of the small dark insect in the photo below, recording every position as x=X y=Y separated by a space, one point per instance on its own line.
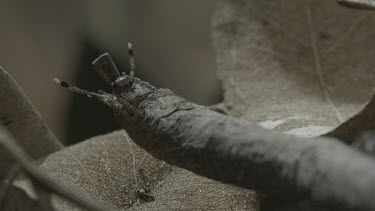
x=108 y=71
x=144 y=195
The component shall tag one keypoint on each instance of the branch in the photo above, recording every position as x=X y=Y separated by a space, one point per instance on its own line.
x=241 y=153
x=358 y=4
x=5 y=187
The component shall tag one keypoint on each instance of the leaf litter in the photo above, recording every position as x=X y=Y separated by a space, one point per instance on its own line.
x=306 y=65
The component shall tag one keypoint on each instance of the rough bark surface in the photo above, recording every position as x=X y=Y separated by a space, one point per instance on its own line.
x=238 y=152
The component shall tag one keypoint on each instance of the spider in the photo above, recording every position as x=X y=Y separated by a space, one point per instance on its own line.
x=108 y=71
x=144 y=195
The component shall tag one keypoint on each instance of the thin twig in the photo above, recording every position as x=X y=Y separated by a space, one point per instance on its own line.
x=7 y=141
x=358 y=4
x=12 y=174
x=44 y=197
x=20 y=117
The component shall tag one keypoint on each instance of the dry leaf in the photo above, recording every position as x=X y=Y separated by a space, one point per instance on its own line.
x=302 y=67
x=183 y=190
x=19 y=116
x=110 y=168
x=113 y=169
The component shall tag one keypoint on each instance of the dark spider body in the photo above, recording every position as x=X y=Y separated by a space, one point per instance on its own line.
x=107 y=70
x=144 y=195
x=123 y=80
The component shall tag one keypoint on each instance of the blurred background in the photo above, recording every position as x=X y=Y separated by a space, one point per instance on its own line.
x=41 y=40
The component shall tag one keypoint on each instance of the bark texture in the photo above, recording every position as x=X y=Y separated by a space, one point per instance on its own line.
x=238 y=152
